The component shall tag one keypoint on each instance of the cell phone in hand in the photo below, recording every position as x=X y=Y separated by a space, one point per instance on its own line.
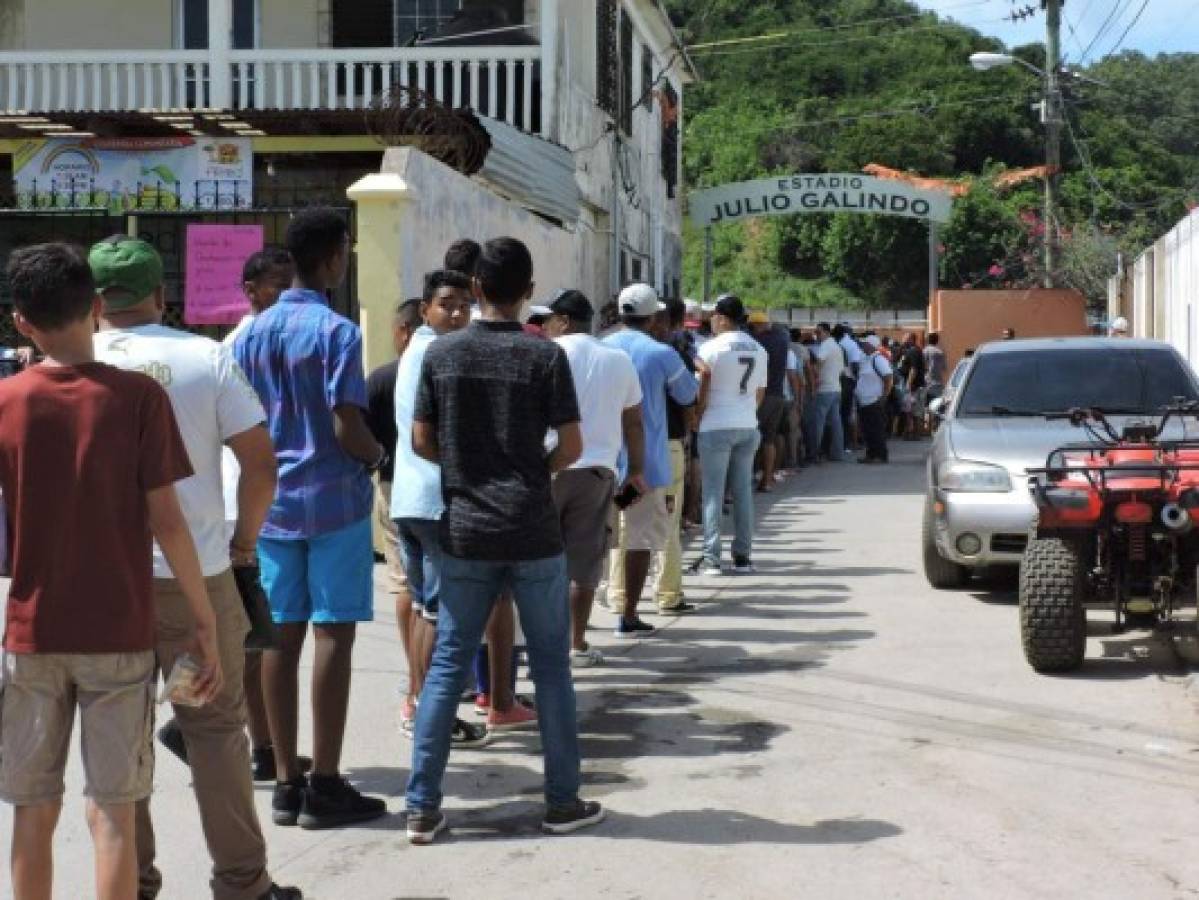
x=626 y=496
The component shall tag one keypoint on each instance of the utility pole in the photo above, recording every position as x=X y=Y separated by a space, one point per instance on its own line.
x=1051 y=112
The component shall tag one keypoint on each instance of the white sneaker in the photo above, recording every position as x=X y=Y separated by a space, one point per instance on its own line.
x=585 y=659
x=711 y=570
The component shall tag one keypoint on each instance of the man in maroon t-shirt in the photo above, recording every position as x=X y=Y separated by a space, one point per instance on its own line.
x=88 y=460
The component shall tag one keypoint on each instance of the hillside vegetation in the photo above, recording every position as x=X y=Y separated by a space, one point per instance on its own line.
x=844 y=89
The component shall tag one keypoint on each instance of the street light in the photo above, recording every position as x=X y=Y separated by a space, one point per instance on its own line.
x=984 y=61
x=1053 y=136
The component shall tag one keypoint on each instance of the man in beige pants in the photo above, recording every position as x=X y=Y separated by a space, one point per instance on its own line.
x=214 y=406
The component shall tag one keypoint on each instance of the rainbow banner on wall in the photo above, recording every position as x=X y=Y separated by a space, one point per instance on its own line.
x=135 y=173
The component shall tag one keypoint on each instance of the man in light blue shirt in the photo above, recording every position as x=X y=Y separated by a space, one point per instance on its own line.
x=645 y=526
x=416 y=499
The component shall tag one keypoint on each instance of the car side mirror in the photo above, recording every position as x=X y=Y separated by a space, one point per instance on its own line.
x=937 y=408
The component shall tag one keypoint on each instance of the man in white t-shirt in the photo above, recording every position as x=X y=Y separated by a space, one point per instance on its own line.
x=214 y=406
x=829 y=360
x=609 y=396
x=875 y=378
x=731 y=390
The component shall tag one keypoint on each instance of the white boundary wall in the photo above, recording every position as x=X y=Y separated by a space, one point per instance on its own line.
x=1165 y=289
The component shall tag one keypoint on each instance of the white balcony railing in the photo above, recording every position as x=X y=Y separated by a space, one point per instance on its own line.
x=500 y=82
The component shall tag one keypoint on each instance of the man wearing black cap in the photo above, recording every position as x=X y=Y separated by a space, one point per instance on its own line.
x=609 y=395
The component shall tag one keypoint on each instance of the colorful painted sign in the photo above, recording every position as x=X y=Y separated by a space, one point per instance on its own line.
x=135 y=173
x=212 y=293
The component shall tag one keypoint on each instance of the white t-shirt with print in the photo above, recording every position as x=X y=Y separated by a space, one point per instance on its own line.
x=871 y=375
x=212 y=401
x=738 y=366
x=230 y=470
x=830 y=363
x=606 y=384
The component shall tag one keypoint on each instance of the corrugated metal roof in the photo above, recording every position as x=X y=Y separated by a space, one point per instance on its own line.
x=533 y=172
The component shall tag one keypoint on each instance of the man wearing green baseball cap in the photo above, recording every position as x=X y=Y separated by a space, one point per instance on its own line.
x=214 y=406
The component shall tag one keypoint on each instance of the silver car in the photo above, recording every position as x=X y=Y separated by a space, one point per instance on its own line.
x=978 y=511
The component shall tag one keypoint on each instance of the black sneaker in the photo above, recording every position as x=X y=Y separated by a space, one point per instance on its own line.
x=742 y=565
x=678 y=609
x=423 y=827
x=635 y=629
x=262 y=764
x=170 y=735
x=332 y=801
x=565 y=819
x=282 y=893
x=288 y=800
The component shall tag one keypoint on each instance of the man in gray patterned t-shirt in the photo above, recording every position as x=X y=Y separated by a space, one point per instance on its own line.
x=487 y=397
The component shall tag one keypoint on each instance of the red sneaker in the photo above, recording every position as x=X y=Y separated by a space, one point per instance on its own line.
x=518 y=717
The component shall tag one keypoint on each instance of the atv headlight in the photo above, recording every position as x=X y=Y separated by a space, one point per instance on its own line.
x=973 y=477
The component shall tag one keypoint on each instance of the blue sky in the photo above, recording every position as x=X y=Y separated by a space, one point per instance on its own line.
x=1166 y=26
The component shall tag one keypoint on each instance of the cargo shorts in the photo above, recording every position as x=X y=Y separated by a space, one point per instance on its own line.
x=39 y=693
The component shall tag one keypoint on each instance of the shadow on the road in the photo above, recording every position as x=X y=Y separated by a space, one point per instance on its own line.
x=768 y=635
x=627 y=723
x=709 y=826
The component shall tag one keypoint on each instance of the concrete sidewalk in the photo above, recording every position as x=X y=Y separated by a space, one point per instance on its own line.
x=827 y=728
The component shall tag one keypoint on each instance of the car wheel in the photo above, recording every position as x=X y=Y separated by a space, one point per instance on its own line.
x=942 y=573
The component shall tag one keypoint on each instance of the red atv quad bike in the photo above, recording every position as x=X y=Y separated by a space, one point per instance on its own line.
x=1116 y=523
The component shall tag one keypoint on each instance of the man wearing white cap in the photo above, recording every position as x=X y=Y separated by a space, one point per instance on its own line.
x=644 y=526
x=1119 y=328
x=875 y=378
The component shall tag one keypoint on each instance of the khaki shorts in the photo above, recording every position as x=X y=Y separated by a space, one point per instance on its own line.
x=39 y=693
x=646 y=524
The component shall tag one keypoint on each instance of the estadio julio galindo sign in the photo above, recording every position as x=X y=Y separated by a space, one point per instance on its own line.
x=832 y=193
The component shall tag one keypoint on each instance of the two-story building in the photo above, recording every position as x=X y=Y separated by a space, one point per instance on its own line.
x=203 y=108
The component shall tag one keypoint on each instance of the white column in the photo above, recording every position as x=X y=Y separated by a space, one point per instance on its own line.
x=220 y=44
x=549 y=69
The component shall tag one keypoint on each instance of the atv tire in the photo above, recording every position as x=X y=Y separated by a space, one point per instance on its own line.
x=1053 y=620
x=942 y=574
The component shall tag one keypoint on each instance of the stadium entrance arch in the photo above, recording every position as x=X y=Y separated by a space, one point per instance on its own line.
x=824 y=193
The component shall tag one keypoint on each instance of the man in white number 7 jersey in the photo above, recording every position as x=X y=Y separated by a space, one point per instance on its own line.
x=731 y=389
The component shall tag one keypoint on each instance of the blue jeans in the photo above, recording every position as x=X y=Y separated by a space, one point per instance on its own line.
x=826 y=414
x=469 y=589
x=728 y=453
x=420 y=548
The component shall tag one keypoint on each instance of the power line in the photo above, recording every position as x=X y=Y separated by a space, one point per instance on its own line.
x=852 y=40
x=1131 y=25
x=827 y=28
x=1112 y=16
x=915 y=108
x=1093 y=177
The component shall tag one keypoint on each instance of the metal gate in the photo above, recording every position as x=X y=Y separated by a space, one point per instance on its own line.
x=166 y=230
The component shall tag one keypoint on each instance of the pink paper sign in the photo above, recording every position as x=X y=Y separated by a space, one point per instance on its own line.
x=212 y=293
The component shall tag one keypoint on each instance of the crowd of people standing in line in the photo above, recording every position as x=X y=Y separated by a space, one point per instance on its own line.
x=515 y=463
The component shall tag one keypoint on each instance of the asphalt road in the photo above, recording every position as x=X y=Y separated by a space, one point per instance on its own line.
x=828 y=728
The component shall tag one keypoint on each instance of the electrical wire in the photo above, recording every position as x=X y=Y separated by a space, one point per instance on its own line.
x=1084 y=157
x=1112 y=17
x=907 y=32
x=918 y=107
x=1131 y=25
x=824 y=29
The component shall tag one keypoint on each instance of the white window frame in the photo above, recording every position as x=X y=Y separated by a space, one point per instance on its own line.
x=177 y=24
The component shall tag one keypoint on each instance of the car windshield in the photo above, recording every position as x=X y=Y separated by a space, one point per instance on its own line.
x=958 y=371
x=1031 y=382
